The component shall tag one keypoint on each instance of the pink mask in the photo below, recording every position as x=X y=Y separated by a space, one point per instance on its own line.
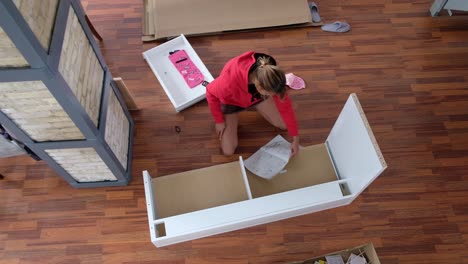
x=294 y=82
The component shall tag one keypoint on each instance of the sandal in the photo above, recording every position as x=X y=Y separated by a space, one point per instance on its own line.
x=315 y=13
x=337 y=26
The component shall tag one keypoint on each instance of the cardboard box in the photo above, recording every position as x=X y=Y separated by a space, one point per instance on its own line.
x=180 y=94
x=168 y=18
x=367 y=251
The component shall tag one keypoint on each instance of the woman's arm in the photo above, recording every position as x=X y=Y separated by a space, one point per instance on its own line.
x=295 y=146
x=287 y=114
x=215 y=105
x=286 y=111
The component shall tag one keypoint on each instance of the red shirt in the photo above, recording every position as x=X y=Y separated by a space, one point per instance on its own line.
x=231 y=88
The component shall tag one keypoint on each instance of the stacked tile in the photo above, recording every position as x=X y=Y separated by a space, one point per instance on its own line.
x=33 y=108
x=40 y=16
x=80 y=67
x=117 y=130
x=9 y=54
x=83 y=164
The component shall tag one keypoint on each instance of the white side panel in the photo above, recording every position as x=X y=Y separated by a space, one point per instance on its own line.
x=180 y=94
x=437 y=6
x=252 y=212
x=244 y=176
x=231 y=226
x=356 y=155
x=150 y=205
x=461 y=5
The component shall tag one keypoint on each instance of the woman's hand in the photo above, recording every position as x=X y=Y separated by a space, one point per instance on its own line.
x=295 y=146
x=220 y=129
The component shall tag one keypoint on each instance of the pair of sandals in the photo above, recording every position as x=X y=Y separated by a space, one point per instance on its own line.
x=337 y=26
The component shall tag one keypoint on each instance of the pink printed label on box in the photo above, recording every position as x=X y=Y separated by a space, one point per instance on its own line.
x=186 y=68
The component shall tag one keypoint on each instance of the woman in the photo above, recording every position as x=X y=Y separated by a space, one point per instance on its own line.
x=250 y=80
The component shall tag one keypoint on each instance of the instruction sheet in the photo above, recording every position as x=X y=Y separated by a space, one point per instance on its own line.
x=270 y=159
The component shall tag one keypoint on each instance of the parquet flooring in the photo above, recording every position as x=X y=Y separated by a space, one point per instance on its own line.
x=410 y=72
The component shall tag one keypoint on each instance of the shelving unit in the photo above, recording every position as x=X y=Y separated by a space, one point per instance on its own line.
x=58 y=96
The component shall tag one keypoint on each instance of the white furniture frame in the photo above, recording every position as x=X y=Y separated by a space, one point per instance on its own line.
x=354 y=161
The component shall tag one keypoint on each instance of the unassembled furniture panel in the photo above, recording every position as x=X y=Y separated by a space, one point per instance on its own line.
x=226 y=197
x=58 y=96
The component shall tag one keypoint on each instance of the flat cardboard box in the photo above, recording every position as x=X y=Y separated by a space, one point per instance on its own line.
x=174 y=17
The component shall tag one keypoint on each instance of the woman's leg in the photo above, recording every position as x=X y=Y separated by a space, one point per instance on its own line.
x=229 y=137
x=270 y=112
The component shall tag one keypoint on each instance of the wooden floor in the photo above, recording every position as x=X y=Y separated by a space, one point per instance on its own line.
x=410 y=72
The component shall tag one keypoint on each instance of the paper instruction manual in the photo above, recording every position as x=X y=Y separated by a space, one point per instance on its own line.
x=270 y=159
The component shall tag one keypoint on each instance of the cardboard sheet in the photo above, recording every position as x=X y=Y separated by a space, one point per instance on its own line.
x=311 y=167
x=170 y=18
x=198 y=189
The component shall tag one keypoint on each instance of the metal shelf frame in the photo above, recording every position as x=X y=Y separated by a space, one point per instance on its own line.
x=43 y=67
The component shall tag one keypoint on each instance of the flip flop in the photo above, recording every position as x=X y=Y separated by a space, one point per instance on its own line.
x=315 y=13
x=294 y=82
x=337 y=26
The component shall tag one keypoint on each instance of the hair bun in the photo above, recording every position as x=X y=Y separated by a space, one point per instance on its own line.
x=263 y=61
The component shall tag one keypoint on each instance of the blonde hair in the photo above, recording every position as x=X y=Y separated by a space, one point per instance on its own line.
x=270 y=77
